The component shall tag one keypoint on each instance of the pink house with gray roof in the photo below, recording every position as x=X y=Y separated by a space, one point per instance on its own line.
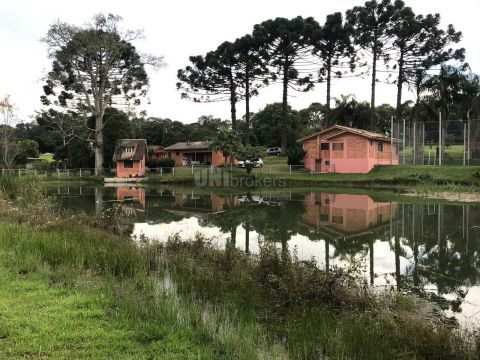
x=343 y=149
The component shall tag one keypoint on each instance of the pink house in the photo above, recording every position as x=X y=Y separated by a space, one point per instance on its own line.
x=130 y=156
x=342 y=149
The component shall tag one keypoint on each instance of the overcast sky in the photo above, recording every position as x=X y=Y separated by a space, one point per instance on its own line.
x=178 y=29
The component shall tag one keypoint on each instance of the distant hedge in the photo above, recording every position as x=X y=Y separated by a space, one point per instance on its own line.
x=161 y=163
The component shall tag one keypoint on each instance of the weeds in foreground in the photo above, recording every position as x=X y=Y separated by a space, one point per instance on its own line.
x=314 y=314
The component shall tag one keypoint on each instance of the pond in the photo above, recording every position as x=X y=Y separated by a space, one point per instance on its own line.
x=425 y=247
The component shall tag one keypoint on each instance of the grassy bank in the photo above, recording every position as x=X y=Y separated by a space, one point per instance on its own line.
x=71 y=289
x=315 y=314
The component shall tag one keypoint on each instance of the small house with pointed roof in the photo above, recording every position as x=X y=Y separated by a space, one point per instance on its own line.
x=130 y=156
x=343 y=149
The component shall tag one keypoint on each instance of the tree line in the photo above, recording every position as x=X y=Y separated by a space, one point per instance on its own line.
x=378 y=37
x=98 y=79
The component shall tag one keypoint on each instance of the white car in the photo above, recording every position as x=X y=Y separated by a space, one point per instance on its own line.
x=257 y=163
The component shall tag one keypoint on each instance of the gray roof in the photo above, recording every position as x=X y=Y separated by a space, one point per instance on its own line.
x=189 y=145
x=139 y=145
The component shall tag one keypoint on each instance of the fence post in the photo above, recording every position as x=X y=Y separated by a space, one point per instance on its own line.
x=403 y=141
x=192 y=169
x=440 y=138
x=161 y=171
x=414 y=143
x=464 y=143
x=290 y=169
x=68 y=172
x=19 y=172
x=80 y=172
x=423 y=144
x=391 y=140
x=469 y=154
x=173 y=171
x=58 y=172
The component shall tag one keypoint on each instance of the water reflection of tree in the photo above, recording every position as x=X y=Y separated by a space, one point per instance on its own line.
x=442 y=239
x=274 y=221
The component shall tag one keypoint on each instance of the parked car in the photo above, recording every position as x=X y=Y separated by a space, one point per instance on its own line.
x=274 y=151
x=256 y=162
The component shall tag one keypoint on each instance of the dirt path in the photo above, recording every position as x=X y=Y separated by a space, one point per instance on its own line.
x=449 y=196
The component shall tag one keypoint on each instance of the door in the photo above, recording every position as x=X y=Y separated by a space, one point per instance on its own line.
x=318 y=165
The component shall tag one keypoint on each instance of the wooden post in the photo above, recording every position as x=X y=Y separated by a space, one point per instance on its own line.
x=464 y=144
x=290 y=169
x=440 y=135
x=403 y=141
x=391 y=140
x=414 y=143
x=80 y=172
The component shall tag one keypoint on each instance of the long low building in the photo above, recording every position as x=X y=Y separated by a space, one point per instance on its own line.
x=343 y=149
x=195 y=153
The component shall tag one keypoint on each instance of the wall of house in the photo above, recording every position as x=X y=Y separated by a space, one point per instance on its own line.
x=346 y=213
x=217 y=158
x=135 y=193
x=359 y=154
x=138 y=169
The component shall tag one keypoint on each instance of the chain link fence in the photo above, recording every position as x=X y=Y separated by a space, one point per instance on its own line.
x=448 y=142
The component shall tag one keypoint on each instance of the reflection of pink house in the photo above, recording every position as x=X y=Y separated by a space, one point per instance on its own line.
x=343 y=149
x=202 y=203
x=132 y=193
x=348 y=214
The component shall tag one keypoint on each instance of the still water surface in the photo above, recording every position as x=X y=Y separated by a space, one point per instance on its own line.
x=424 y=247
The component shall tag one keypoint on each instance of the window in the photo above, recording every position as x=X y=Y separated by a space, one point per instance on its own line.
x=324 y=146
x=128 y=164
x=129 y=149
x=337 y=146
x=324 y=217
x=178 y=153
x=327 y=162
x=380 y=146
x=337 y=219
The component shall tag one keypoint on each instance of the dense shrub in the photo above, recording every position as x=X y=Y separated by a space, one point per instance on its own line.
x=44 y=165
x=295 y=155
x=161 y=163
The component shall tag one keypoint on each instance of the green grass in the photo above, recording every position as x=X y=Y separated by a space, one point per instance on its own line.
x=316 y=314
x=81 y=293
x=71 y=291
x=48 y=157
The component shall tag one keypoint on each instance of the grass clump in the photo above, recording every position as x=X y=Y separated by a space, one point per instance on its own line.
x=311 y=312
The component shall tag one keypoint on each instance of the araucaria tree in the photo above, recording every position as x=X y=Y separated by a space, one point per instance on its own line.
x=288 y=43
x=212 y=78
x=418 y=45
x=332 y=46
x=94 y=67
x=370 y=30
x=253 y=72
